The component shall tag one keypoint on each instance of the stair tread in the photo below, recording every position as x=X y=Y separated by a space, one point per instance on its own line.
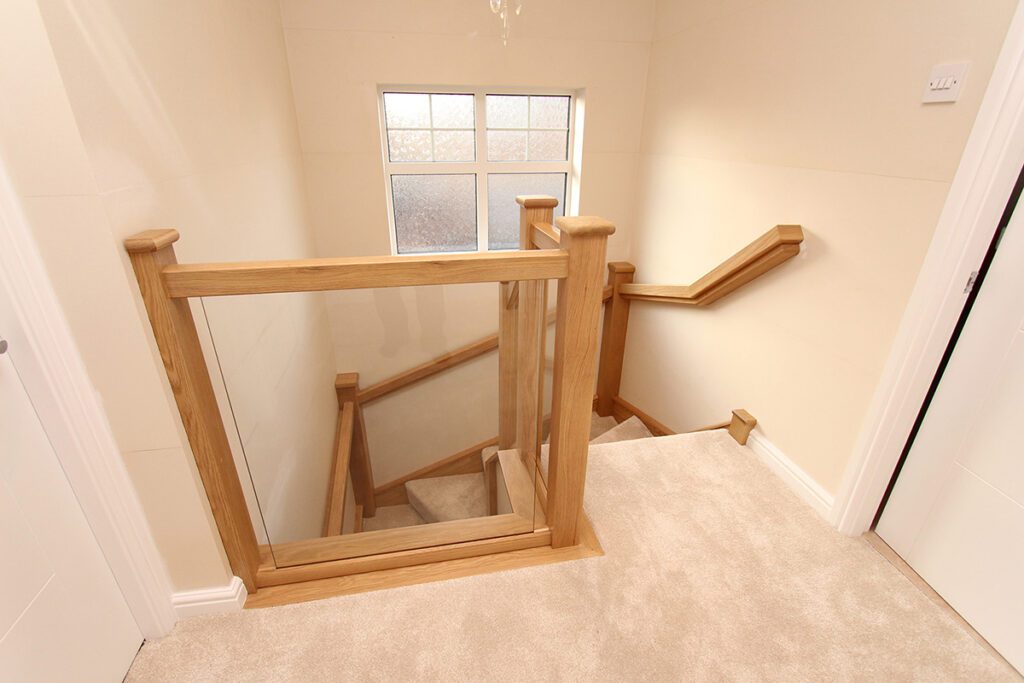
x=629 y=430
x=633 y=428
x=442 y=499
x=392 y=517
x=598 y=426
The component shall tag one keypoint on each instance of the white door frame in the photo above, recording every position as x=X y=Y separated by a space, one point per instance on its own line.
x=72 y=415
x=988 y=170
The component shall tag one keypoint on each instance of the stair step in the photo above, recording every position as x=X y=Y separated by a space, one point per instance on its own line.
x=442 y=499
x=598 y=426
x=392 y=517
x=633 y=428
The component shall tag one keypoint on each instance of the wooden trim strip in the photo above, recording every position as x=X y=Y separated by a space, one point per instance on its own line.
x=360 y=575
x=333 y=519
x=270 y=576
x=431 y=367
x=466 y=461
x=392 y=540
x=312 y=275
x=545 y=236
x=768 y=251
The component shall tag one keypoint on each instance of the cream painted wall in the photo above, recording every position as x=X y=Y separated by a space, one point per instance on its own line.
x=180 y=114
x=187 y=116
x=339 y=52
x=797 y=111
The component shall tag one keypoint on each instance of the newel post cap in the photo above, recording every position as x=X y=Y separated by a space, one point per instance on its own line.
x=581 y=226
x=536 y=201
x=621 y=267
x=151 y=240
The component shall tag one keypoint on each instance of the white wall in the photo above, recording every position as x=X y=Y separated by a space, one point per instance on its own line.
x=796 y=111
x=339 y=52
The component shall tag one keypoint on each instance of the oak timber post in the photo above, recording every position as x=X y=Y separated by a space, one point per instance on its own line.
x=176 y=337
x=531 y=328
x=585 y=239
x=613 y=337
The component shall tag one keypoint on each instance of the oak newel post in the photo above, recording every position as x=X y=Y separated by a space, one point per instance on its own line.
x=175 y=331
x=530 y=329
x=613 y=338
x=585 y=239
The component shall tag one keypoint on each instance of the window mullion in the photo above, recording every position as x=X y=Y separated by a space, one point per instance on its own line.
x=480 y=121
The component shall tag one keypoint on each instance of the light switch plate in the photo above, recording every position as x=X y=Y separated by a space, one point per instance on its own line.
x=945 y=82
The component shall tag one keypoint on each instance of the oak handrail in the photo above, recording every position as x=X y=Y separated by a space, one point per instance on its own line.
x=432 y=367
x=768 y=251
x=545 y=236
x=319 y=274
x=428 y=369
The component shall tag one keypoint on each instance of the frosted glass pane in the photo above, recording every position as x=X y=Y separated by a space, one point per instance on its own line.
x=454 y=145
x=406 y=110
x=434 y=212
x=549 y=112
x=548 y=145
x=507 y=111
x=502 y=210
x=452 y=111
x=506 y=145
x=409 y=145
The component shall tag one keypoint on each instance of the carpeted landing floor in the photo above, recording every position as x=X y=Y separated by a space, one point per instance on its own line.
x=713 y=571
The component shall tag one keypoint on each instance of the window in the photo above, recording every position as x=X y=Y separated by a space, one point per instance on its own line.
x=456 y=160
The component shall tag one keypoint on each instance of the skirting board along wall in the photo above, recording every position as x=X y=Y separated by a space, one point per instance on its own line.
x=229 y=598
x=795 y=478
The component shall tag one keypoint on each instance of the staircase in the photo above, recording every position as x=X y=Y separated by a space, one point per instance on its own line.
x=464 y=496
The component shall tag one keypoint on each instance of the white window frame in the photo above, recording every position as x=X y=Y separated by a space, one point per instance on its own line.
x=481 y=167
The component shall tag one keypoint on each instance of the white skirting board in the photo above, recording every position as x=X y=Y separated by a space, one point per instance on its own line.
x=796 y=479
x=229 y=598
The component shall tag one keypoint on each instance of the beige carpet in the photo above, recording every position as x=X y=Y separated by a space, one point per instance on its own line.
x=633 y=428
x=713 y=571
x=392 y=517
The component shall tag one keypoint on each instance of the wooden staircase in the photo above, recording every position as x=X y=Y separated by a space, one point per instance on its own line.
x=520 y=500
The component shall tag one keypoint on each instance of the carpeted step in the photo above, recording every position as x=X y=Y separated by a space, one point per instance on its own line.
x=441 y=499
x=598 y=426
x=633 y=428
x=392 y=517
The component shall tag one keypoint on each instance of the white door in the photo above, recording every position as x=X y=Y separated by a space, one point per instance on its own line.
x=62 y=616
x=956 y=513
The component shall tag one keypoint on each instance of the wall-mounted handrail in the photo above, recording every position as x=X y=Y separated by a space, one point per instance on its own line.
x=768 y=251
